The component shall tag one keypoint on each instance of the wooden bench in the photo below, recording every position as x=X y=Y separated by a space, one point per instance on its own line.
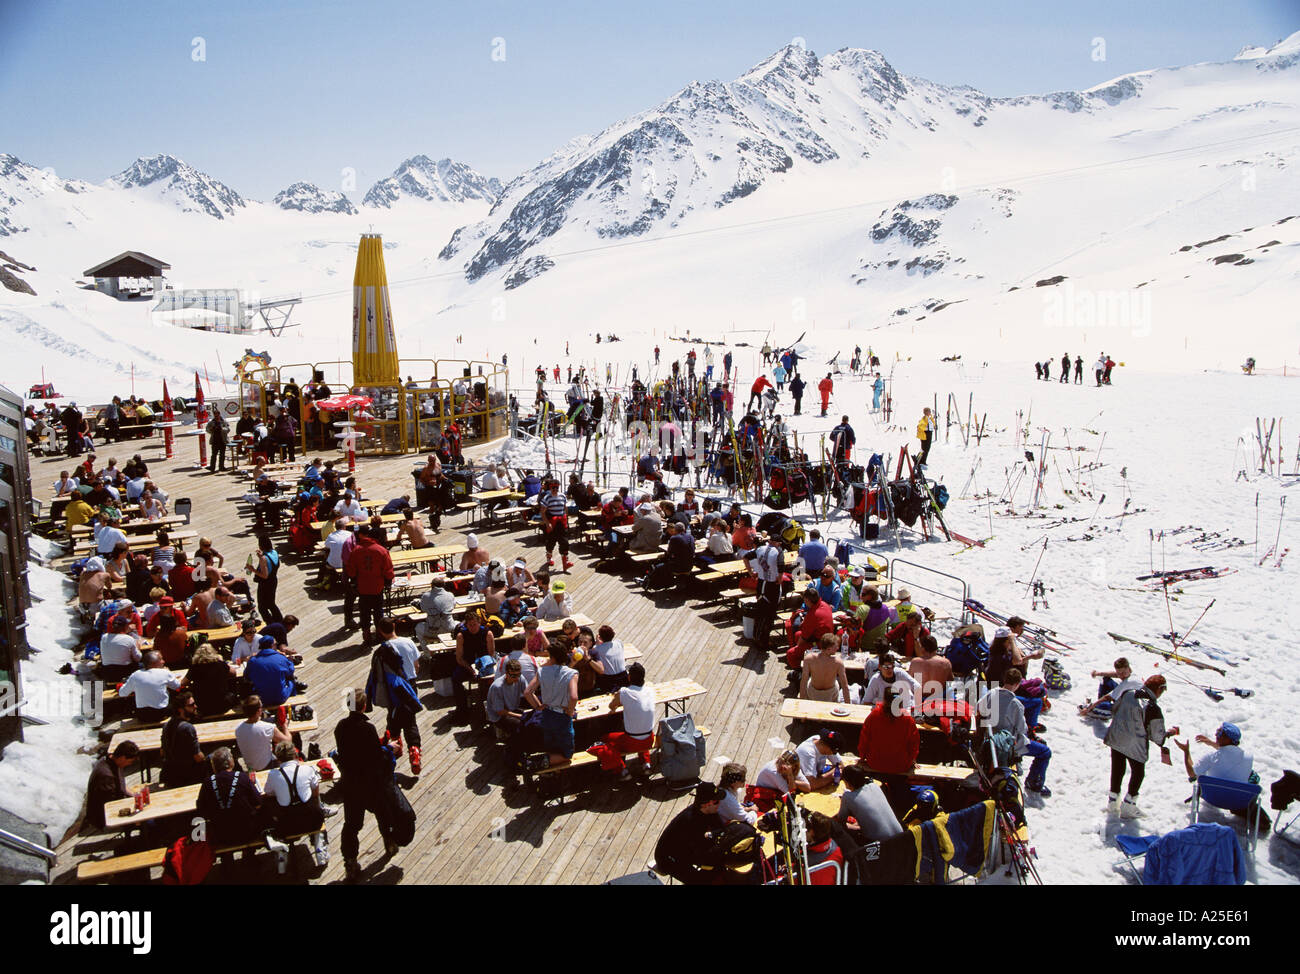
x=128 y=726
x=580 y=759
x=498 y=514
x=99 y=870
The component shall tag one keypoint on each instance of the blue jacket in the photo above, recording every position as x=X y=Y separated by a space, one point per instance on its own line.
x=387 y=687
x=831 y=593
x=271 y=674
x=1205 y=854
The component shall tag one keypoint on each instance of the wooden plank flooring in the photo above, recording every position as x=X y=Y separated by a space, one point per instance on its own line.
x=475 y=825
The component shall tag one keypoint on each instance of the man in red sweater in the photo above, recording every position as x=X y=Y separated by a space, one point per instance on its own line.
x=817 y=620
x=756 y=392
x=889 y=742
x=371 y=569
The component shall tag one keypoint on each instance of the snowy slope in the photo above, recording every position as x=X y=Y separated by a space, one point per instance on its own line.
x=1161 y=207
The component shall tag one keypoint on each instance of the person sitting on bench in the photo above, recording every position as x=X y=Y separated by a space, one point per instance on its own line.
x=806 y=627
x=149 y=686
x=824 y=677
x=230 y=802
x=678 y=559
x=647 y=528
x=888 y=676
x=293 y=797
x=638 y=733
x=864 y=809
x=108 y=781
x=554 y=691
x=687 y=844
x=504 y=706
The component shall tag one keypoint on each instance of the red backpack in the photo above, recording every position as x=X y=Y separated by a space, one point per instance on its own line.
x=188 y=862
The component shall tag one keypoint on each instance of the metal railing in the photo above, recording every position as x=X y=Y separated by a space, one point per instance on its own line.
x=961 y=600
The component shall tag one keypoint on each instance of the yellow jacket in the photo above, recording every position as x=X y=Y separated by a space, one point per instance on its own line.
x=923 y=429
x=78 y=512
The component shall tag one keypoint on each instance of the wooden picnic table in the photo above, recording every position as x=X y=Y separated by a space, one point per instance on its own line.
x=409 y=557
x=212 y=733
x=120 y=815
x=448 y=640
x=796 y=708
x=672 y=694
x=87 y=546
x=222 y=634
x=384 y=519
x=134 y=525
x=739 y=566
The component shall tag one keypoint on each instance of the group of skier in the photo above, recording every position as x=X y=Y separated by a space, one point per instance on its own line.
x=1102 y=369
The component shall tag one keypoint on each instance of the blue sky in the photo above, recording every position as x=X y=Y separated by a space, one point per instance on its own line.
x=300 y=90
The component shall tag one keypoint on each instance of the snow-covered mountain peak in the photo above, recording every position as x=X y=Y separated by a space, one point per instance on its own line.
x=1288 y=45
x=444 y=181
x=175 y=180
x=310 y=198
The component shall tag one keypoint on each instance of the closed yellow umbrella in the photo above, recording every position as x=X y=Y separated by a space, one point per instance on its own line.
x=374 y=348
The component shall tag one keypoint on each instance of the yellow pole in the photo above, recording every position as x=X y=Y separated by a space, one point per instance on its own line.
x=374 y=348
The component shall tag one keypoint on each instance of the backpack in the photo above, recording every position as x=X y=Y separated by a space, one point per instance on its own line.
x=940 y=494
x=397 y=819
x=967 y=658
x=736 y=846
x=187 y=862
x=681 y=750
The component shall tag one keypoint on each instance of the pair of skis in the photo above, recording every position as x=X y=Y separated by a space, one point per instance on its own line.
x=1168 y=654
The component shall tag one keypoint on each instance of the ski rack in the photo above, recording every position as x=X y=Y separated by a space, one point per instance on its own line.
x=965 y=586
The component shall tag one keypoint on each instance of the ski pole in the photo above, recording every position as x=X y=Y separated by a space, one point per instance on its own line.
x=1098 y=510
x=1280 y=514
x=1036 y=564
x=1179 y=642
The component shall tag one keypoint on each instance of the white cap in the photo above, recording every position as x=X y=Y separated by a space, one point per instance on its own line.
x=1001 y=632
x=472 y=540
x=520 y=563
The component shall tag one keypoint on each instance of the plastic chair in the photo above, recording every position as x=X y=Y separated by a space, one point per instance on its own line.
x=828 y=873
x=1135 y=849
x=1231 y=796
x=182 y=508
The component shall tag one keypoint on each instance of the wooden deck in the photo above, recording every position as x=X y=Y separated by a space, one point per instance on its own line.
x=475 y=825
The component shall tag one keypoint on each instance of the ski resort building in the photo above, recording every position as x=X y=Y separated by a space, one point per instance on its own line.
x=129 y=274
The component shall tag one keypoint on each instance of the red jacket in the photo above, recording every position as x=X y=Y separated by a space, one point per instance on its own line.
x=371 y=566
x=817 y=623
x=155 y=620
x=615 y=513
x=889 y=744
x=825 y=387
x=759 y=385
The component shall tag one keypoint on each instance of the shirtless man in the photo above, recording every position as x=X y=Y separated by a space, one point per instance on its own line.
x=412 y=528
x=475 y=556
x=823 y=673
